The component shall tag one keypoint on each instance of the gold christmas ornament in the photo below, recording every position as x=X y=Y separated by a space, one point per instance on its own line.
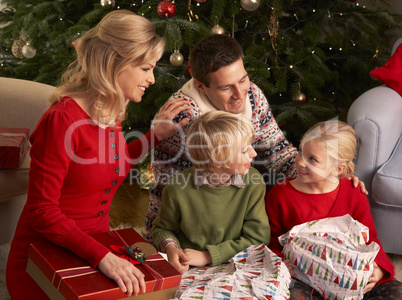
x=176 y=58
x=16 y=48
x=217 y=30
x=28 y=50
x=250 y=5
x=299 y=97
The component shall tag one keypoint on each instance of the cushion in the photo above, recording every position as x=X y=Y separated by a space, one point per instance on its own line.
x=387 y=182
x=391 y=72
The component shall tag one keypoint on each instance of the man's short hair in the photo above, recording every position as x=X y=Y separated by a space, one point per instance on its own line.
x=213 y=138
x=212 y=53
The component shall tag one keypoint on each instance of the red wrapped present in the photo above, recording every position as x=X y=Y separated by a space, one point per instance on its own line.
x=64 y=275
x=14 y=146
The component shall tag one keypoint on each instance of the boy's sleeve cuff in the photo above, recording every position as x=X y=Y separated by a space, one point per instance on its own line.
x=216 y=258
x=163 y=245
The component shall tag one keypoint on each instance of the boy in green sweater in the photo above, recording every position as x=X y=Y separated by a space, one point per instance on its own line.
x=215 y=209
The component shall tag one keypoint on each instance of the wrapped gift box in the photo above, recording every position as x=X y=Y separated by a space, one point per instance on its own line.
x=63 y=275
x=14 y=146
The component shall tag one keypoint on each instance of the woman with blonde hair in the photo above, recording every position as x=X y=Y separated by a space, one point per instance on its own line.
x=79 y=156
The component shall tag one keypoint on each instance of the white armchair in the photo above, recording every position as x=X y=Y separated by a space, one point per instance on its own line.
x=22 y=103
x=376 y=117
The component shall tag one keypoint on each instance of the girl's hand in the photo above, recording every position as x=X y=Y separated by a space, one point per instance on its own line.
x=374 y=278
x=177 y=258
x=129 y=279
x=163 y=120
x=198 y=258
x=356 y=182
x=289 y=266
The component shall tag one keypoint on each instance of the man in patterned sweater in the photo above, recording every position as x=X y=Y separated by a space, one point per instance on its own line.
x=220 y=82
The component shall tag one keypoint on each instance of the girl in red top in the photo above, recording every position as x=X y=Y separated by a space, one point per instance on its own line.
x=79 y=156
x=320 y=191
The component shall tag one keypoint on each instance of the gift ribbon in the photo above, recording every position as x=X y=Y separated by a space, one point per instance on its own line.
x=14 y=134
x=158 y=277
x=63 y=274
x=13 y=137
x=121 y=252
x=318 y=288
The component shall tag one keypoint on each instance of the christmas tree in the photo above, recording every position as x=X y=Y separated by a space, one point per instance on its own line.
x=311 y=58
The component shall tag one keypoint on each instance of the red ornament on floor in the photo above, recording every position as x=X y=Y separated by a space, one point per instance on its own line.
x=166 y=9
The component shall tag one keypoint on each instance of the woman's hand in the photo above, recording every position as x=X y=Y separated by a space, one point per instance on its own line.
x=177 y=258
x=377 y=275
x=356 y=182
x=197 y=258
x=129 y=279
x=163 y=120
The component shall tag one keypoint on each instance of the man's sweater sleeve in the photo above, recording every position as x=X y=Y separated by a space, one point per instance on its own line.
x=168 y=158
x=276 y=153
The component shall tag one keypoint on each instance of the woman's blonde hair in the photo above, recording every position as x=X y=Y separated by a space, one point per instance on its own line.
x=214 y=137
x=121 y=38
x=338 y=139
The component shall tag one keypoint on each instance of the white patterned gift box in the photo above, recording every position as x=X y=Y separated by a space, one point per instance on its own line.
x=255 y=273
x=331 y=254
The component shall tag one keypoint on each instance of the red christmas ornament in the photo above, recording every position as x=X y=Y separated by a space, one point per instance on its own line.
x=166 y=9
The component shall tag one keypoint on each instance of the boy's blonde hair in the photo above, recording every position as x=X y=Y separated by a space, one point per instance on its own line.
x=338 y=139
x=214 y=137
x=121 y=38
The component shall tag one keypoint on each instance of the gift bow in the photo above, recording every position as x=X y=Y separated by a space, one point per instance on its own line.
x=134 y=256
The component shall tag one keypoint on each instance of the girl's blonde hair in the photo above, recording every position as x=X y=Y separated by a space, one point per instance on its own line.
x=338 y=139
x=214 y=137
x=121 y=38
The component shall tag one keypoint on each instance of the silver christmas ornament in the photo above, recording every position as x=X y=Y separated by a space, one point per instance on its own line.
x=217 y=30
x=28 y=51
x=176 y=58
x=107 y=3
x=250 y=5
